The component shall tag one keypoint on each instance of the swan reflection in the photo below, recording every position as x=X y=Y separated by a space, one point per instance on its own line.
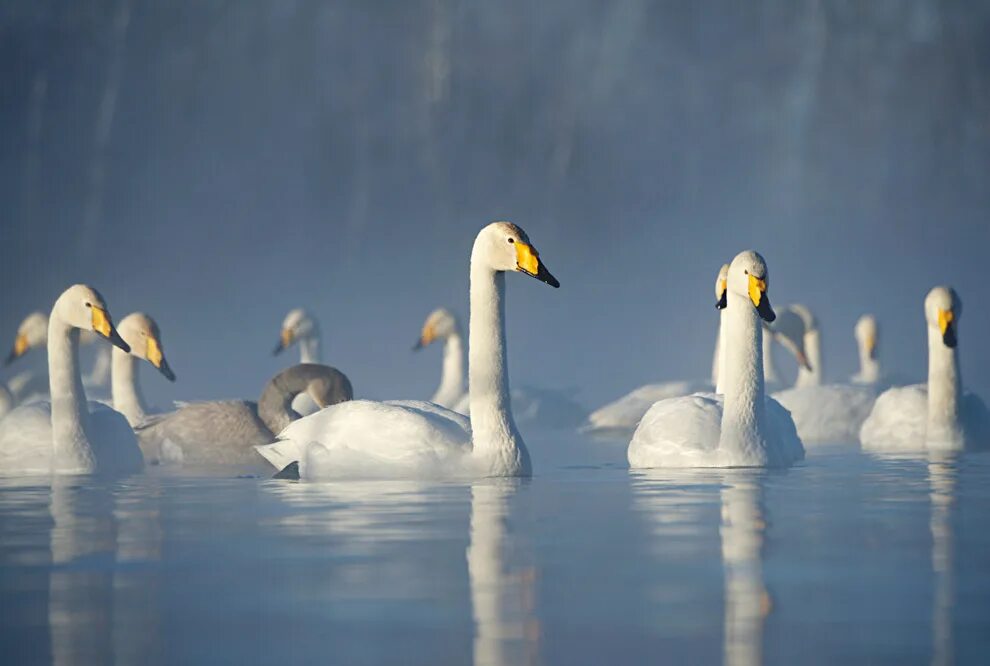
x=942 y=482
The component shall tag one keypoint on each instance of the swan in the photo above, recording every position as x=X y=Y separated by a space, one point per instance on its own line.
x=442 y=324
x=823 y=413
x=867 y=336
x=65 y=436
x=301 y=328
x=531 y=406
x=141 y=334
x=937 y=416
x=411 y=438
x=224 y=431
x=621 y=416
x=741 y=428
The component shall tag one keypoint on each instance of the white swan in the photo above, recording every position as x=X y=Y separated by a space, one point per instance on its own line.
x=224 y=432
x=301 y=328
x=531 y=406
x=867 y=339
x=620 y=417
x=741 y=428
x=409 y=438
x=822 y=413
x=937 y=416
x=442 y=324
x=64 y=436
x=141 y=334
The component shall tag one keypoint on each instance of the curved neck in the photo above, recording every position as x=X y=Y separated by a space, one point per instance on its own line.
x=745 y=404
x=769 y=371
x=944 y=392
x=124 y=387
x=70 y=416
x=813 y=351
x=452 y=379
x=869 y=367
x=497 y=444
x=719 y=370
x=275 y=406
x=309 y=349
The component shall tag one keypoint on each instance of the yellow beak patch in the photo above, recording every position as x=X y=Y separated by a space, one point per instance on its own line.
x=428 y=335
x=945 y=319
x=871 y=344
x=757 y=287
x=527 y=258
x=20 y=345
x=722 y=286
x=154 y=352
x=101 y=322
x=286 y=337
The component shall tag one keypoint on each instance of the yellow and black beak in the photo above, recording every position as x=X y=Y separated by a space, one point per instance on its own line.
x=103 y=325
x=758 y=294
x=20 y=348
x=528 y=262
x=871 y=346
x=947 y=325
x=157 y=358
x=723 y=299
x=284 y=341
x=426 y=337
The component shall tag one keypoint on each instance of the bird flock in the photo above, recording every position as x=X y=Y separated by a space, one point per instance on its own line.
x=307 y=424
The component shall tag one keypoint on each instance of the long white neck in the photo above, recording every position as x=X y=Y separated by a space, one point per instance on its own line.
x=769 y=371
x=813 y=351
x=869 y=367
x=451 y=387
x=124 y=387
x=497 y=444
x=70 y=415
x=944 y=393
x=309 y=349
x=720 y=352
x=743 y=417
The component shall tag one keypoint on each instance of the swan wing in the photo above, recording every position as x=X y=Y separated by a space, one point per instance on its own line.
x=678 y=432
x=26 y=439
x=215 y=433
x=785 y=446
x=113 y=440
x=626 y=412
x=832 y=413
x=898 y=420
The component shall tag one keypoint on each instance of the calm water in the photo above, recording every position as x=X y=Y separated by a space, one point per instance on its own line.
x=845 y=558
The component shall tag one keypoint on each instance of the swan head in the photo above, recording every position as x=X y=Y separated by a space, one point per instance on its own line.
x=866 y=332
x=503 y=246
x=439 y=325
x=82 y=307
x=325 y=385
x=749 y=278
x=141 y=332
x=790 y=329
x=297 y=325
x=721 y=287
x=32 y=333
x=942 y=311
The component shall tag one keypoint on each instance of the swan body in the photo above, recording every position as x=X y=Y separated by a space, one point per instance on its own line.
x=300 y=328
x=224 y=432
x=939 y=415
x=67 y=435
x=419 y=439
x=740 y=428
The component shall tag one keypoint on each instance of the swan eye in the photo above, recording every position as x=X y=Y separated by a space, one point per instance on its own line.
x=89 y=305
x=512 y=240
x=746 y=271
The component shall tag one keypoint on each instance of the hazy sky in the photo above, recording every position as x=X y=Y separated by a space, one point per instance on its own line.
x=218 y=163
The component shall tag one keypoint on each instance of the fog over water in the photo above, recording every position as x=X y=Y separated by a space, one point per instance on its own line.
x=218 y=163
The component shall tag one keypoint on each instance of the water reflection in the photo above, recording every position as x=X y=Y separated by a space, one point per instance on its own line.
x=942 y=480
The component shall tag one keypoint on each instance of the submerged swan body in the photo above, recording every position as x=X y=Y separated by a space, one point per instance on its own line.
x=937 y=416
x=741 y=428
x=225 y=431
x=421 y=439
x=67 y=435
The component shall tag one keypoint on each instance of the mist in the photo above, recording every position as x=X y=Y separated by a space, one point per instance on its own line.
x=215 y=164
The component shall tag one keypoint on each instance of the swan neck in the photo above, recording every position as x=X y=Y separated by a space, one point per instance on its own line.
x=309 y=350
x=719 y=372
x=497 y=444
x=125 y=388
x=70 y=415
x=275 y=406
x=452 y=378
x=745 y=403
x=813 y=351
x=869 y=367
x=944 y=392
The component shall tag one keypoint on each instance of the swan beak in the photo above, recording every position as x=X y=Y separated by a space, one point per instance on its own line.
x=103 y=326
x=528 y=262
x=20 y=347
x=426 y=337
x=947 y=325
x=723 y=299
x=758 y=294
x=803 y=360
x=871 y=346
x=317 y=398
x=157 y=358
x=284 y=341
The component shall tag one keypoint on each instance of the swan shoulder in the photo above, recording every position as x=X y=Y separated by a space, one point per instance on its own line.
x=829 y=413
x=678 y=432
x=626 y=412
x=898 y=420
x=217 y=432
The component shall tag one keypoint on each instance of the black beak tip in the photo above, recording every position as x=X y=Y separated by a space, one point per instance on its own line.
x=765 y=311
x=419 y=345
x=949 y=338
x=722 y=302
x=115 y=339
x=278 y=349
x=167 y=371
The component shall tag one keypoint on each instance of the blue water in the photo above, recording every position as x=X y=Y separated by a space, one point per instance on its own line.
x=845 y=558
